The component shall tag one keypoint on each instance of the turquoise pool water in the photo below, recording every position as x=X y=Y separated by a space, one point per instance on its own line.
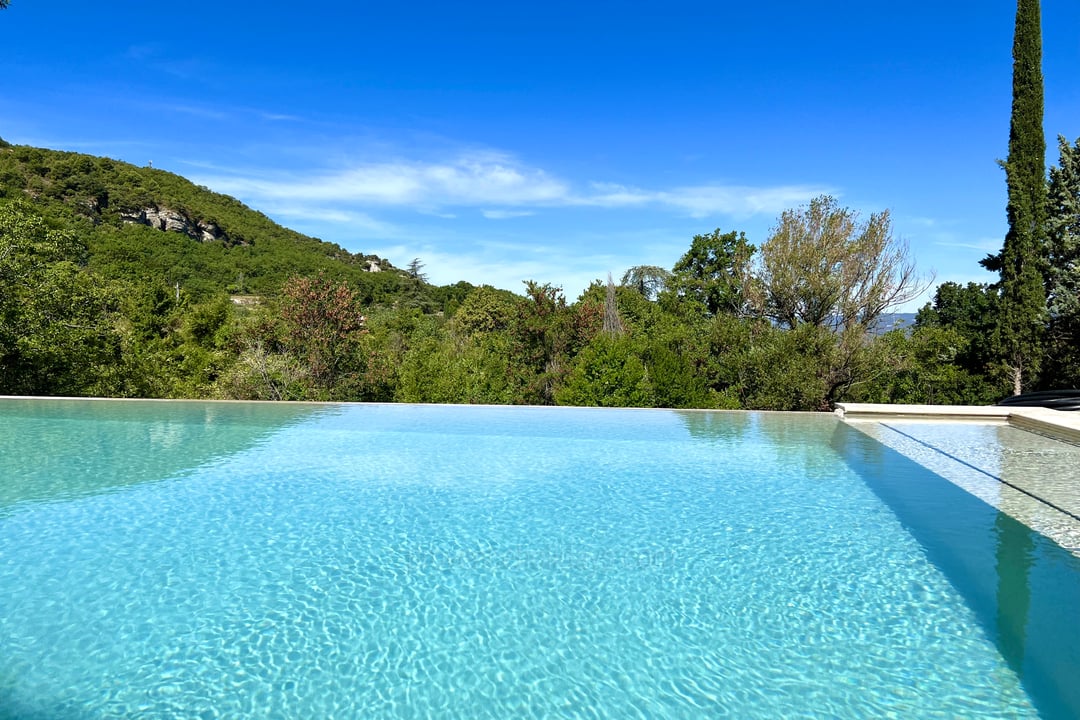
x=164 y=560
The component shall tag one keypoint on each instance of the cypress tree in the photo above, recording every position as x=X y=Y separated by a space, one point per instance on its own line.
x=1023 y=296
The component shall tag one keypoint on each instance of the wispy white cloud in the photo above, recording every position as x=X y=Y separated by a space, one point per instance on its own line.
x=467 y=180
x=357 y=220
x=740 y=200
x=279 y=117
x=704 y=200
x=200 y=111
x=572 y=261
x=501 y=185
x=564 y=268
x=505 y=214
x=989 y=245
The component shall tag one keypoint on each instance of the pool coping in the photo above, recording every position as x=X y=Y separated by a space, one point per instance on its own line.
x=1057 y=424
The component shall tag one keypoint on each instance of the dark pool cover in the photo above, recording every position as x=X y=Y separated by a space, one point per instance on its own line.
x=1056 y=399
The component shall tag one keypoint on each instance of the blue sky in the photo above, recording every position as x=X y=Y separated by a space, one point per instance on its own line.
x=554 y=141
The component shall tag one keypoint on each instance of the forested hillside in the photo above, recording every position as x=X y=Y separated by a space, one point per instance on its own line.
x=140 y=224
x=117 y=280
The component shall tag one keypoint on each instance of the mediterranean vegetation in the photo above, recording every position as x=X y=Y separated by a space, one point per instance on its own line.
x=126 y=281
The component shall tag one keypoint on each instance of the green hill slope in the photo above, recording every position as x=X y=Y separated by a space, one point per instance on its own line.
x=147 y=225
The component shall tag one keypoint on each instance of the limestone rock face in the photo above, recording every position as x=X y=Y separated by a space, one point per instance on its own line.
x=165 y=219
x=168 y=220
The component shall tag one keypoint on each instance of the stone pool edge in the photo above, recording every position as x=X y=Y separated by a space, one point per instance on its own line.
x=1057 y=424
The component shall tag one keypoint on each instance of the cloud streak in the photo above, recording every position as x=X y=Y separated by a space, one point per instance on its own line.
x=500 y=186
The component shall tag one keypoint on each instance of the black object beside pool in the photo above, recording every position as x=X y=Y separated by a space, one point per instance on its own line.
x=1054 y=399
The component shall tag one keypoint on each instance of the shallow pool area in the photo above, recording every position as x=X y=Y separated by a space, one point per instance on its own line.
x=1029 y=476
x=176 y=559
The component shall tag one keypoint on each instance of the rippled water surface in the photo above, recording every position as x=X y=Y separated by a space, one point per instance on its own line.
x=165 y=560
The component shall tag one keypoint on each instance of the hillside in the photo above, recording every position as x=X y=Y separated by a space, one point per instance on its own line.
x=115 y=281
x=147 y=225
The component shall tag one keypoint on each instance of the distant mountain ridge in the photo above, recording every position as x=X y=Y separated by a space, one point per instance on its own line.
x=894 y=321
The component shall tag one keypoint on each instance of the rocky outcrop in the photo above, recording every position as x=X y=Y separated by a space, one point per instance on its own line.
x=168 y=220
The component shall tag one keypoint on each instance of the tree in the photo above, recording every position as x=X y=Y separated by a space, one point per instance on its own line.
x=1063 y=229
x=415 y=268
x=325 y=323
x=57 y=321
x=1063 y=267
x=608 y=372
x=648 y=280
x=1020 y=263
x=541 y=336
x=971 y=312
x=484 y=310
x=822 y=266
x=714 y=272
x=613 y=324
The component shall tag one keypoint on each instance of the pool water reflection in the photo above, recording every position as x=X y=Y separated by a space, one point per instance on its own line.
x=396 y=561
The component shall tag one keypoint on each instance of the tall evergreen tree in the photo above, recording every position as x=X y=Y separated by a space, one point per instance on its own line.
x=1021 y=261
x=1063 y=229
x=1063 y=268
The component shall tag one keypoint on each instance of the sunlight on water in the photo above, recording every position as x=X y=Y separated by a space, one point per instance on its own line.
x=396 y=561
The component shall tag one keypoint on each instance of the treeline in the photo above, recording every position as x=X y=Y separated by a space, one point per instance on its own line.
x=89 y=307
x=712 y=332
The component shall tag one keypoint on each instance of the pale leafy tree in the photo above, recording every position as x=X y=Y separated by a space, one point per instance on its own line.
x=647 y=280
x=824 y=266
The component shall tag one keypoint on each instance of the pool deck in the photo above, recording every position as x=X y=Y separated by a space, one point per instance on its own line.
x=1053 y=423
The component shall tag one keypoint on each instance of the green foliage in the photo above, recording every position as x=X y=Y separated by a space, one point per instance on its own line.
x=57 y=321
x=677 y=357
x=608 y=372
x=449 y=368
x=324 y=322
x=1022 y=315
x=214 y=240
x=484 y=310
x=785 y=369
x=925 y=367
x=971 y=311
x=542 y=335
x=1062 y=365
x=96 y=298
x=647 y=280
x=713 y=274
x=823 y=266
x=448 y=298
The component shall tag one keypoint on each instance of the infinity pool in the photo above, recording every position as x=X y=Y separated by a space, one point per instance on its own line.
x=203 y=560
